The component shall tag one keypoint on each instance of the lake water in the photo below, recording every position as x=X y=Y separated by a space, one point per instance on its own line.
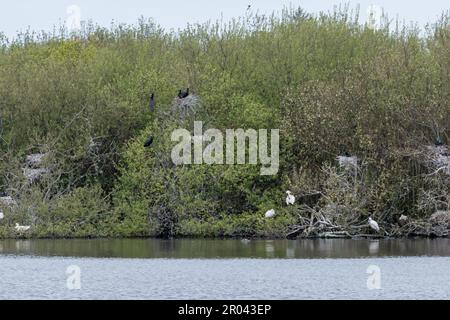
x=225 y=269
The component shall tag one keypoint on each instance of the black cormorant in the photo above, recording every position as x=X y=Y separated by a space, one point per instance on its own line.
x=183 y=94
x=148 y=143
x=152 y=102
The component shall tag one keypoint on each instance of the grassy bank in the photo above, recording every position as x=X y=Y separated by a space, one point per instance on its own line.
x=331 y=85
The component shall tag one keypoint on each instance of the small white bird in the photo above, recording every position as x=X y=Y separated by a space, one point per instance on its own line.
x=290 y=199
x=374 y=225
x=270 y=213
x=22 y=228
x=402 y=220
x=2 y=216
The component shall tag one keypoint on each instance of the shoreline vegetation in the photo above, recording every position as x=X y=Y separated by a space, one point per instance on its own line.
x=363 y=114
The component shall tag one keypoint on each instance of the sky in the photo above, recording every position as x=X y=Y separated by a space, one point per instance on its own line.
x=17 y=15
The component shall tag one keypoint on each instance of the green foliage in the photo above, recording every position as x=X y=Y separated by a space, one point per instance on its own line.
x=82 y=213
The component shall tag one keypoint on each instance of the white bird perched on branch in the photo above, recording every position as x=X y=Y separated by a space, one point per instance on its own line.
x=290 y=199
x=270 y=213
x=374 y=225
x=22 y=228
x=2 y=215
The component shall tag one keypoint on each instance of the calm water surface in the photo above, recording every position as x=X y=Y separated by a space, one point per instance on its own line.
x=225 y=269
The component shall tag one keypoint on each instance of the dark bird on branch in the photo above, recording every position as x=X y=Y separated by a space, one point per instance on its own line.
x=148 y=143
x=183 y=94
x=152 y=102
x=439 y=142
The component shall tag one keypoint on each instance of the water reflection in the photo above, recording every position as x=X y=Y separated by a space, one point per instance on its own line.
x=374 y=247
x=270 y=249
x=201 y=248
x=22 y=245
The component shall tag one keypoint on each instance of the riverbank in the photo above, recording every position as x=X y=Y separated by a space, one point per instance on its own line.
x=436 y=227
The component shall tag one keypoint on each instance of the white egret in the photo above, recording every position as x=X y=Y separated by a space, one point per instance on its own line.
x=270 y=213
x=290 y=199
x=2 y=216
x=22 y=228
x=402 y=220
x=374 y=225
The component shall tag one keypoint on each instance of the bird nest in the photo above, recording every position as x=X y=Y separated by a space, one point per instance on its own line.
x=34 y=167
x=437 y=158
x=34 y=174
x=347 y=162
x=185 y=106
x=441 y=218
x=35 y=160
x=440 y=223
x=7 y=202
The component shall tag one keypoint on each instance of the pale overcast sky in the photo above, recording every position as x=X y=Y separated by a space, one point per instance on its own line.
x=173 y=14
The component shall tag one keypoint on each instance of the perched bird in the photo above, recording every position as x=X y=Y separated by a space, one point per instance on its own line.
x=270 y=214
x=374 y=225
x=402 y=220
x=148 y=143
x=183 y=94
x=152 y=102
x=439 y=142
x=290 y=199
x=22 y=228
x=2 y=215
x=249 y=7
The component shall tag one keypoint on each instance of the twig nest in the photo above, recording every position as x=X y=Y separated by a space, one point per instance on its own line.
x=34 y=175
x=7 y=201
x=440 y=223
x=438 y=159
x=35 y=160
x=441 y=219
x=189 y=105
x=347 y=162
